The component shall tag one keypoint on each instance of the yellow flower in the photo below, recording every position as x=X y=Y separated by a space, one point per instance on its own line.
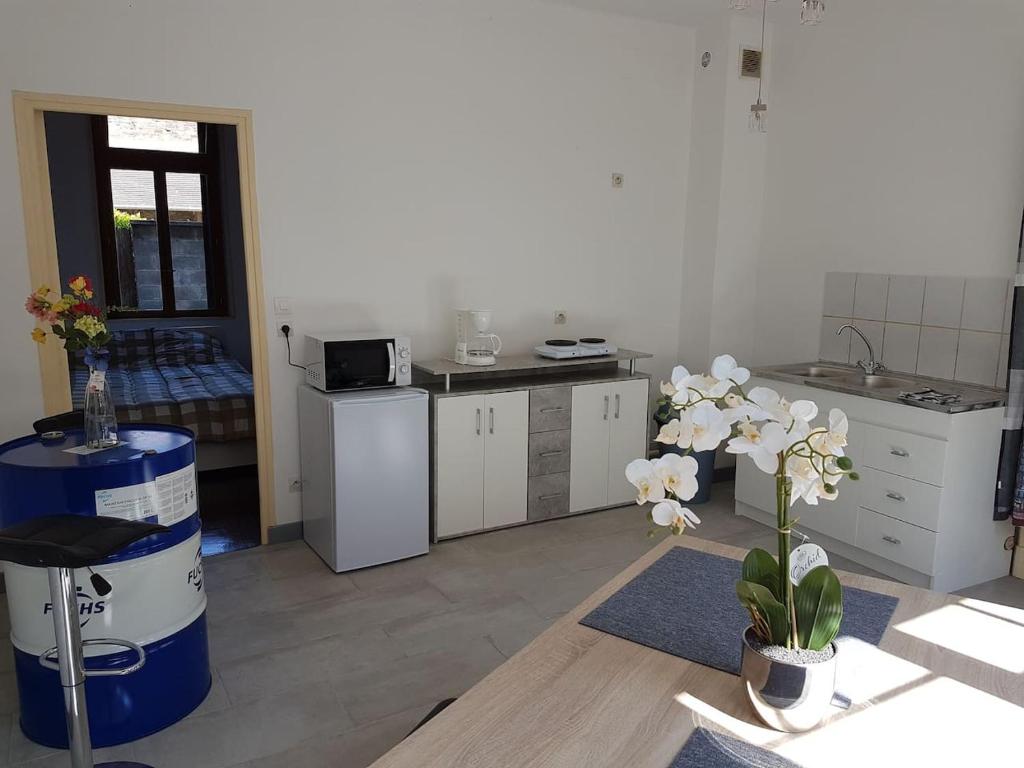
x=90 y=326
x=78 y=284
x=42 y=291
x=38 y=335
x=65 y=303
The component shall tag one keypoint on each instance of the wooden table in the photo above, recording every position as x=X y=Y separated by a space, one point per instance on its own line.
x=944 y=688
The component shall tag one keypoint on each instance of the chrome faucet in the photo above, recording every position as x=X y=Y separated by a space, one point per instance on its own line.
x=872 y=366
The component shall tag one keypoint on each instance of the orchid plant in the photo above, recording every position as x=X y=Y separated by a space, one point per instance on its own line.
x=778 y=435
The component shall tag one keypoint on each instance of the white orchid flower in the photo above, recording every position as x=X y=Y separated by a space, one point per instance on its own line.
x=834 y=440
x=762 y=444
x=669 y=433
x=770 y=406
x=640 y=472
x=710 y=427
x=725 y=368
x=671 y=514
x=678 y=474
x=807 y=482
x=668 y=389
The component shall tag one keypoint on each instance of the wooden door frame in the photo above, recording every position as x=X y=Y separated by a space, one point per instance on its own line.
x=41 y=245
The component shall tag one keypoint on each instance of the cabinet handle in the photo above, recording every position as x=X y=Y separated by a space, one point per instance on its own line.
x=891 y=540
x=545 y=454
x=490 y=420
x=478 y=421
x=550 y=496
x=553 y=409
x=617 y=400
x=903 y=454
x=895 y=496
x=606 y=407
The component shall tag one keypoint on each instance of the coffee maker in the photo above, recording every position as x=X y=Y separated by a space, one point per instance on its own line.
x=473 y=344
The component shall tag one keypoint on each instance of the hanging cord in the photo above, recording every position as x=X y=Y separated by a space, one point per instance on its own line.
x=287 y=331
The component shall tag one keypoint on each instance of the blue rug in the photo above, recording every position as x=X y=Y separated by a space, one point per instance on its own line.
x=707 y=749
x=685 y=604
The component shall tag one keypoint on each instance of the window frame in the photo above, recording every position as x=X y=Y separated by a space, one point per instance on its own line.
x=205 y=162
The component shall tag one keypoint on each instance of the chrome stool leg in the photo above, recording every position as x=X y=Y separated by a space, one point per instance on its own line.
x=71 y=666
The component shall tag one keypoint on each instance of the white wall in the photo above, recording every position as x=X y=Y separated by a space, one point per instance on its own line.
x=411 y=157
x=896 y=146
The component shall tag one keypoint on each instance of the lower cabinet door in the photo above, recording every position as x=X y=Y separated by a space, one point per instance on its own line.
x=459 y=425
x=506 y=456
x=629 y=434
x=588 y=453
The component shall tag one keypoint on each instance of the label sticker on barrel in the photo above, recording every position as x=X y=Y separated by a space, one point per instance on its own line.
x=804 y=559
x=170 y=498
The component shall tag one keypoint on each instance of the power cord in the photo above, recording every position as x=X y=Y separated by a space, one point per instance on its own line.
x=287 y=331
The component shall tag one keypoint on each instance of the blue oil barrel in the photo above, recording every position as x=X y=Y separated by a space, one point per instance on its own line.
x=158 y=598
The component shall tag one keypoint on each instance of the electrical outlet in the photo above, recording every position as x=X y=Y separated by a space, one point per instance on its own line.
x=295 y=485
x=561 y=317
x=618 y=180
x=281 y=327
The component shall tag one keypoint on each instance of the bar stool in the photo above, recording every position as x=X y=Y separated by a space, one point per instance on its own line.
x=61 y=543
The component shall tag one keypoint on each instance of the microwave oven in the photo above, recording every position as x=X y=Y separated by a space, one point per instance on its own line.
x=340 y=361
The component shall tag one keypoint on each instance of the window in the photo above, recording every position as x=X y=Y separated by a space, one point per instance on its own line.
x=158 y=187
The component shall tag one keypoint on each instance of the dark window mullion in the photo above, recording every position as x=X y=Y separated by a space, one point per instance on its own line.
x=163 y=229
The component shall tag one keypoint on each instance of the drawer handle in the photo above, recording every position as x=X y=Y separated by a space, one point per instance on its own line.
x=553 y=409
x=891 y=540
x=903 y=454
x=545 y=454
x=895 y=496
x=549 y=496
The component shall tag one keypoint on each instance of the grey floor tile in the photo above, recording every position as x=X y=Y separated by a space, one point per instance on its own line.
x=307 y=664
x=355 y=749
x=249 y=731
x=557 y=596
x=416 y=681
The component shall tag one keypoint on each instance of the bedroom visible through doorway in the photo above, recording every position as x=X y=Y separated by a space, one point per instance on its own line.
x=150 y=209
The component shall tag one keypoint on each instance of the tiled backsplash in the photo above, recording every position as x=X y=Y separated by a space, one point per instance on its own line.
x=946 y=327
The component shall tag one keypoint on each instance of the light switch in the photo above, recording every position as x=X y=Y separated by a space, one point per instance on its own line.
x=282 y=305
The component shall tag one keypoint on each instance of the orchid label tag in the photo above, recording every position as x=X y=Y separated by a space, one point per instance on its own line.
x=804 y=559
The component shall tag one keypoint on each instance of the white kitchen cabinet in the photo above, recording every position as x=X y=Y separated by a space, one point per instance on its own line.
x=481 y=461
x=609 y=429
x=506 y=453
x=922 y=510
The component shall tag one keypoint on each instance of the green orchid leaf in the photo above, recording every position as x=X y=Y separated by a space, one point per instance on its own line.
x=761 y=568
x=767 y=613
x=818 y=600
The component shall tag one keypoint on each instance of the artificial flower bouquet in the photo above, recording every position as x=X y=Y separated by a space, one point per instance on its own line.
x=778 y=435
x=73 y=317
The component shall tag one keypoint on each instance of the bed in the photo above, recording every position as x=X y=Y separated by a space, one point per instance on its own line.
x=181 y=377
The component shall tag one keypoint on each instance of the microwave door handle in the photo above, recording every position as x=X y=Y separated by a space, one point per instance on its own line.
x=391 y=363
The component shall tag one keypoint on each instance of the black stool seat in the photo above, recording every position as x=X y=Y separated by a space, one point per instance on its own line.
x=70 y=541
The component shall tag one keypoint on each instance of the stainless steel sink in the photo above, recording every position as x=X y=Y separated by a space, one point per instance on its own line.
x=818 y=372
x=878 y=382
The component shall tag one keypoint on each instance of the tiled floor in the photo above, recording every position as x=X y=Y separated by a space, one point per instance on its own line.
x=316 y=669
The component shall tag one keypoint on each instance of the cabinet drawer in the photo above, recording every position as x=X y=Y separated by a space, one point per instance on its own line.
x=550 y=409
x=895 y=540
x=549 y=452
x=548 y=496
x=902 y=453
x=908 y=500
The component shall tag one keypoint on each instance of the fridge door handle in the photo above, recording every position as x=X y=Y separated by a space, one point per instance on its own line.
x=618 y=399
x=478 y=421
x=391 y=363
x=606 y=407
x=490 y=420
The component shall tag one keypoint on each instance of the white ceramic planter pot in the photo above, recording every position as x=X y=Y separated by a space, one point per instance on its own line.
x=788 y=697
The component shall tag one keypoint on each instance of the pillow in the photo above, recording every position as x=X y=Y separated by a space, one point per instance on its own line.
x=128 y=349
x=173 y=347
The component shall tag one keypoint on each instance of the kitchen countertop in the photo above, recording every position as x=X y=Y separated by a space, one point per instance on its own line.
x=506 y=363
x=973 y=396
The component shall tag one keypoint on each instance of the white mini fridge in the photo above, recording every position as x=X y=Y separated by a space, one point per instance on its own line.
x=365 y=485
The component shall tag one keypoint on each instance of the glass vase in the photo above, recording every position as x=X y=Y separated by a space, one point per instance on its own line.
x=100 y=420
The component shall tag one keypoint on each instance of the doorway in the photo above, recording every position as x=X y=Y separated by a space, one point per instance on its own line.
x=156 y=203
